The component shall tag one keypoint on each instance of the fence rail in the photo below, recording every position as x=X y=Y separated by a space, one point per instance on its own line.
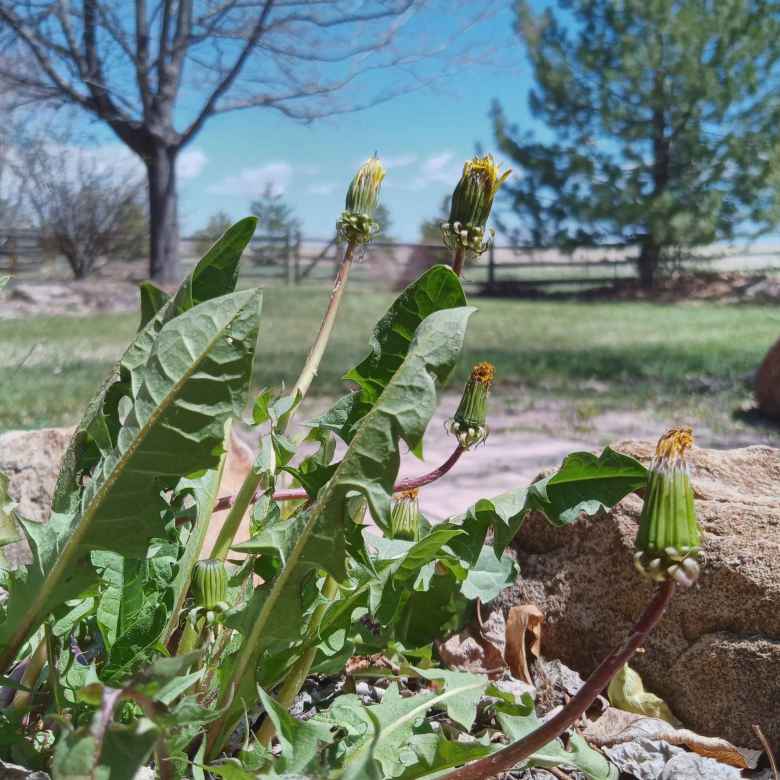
x=292 y=259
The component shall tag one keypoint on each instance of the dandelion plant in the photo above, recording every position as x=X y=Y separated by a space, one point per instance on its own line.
x=125 y=644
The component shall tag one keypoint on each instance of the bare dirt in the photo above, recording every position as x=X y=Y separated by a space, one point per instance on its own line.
x=524 y=440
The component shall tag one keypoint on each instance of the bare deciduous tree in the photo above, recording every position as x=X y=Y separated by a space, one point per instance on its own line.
x=85 y=210
x=13 y=213
x=144 y=66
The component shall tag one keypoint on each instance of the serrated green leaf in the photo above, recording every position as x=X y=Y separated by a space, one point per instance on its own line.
x=467 y=689
x=436 y=290
x=397 y=717
x=587 y=484
x=369 y=467
x=217 y=272
x=313 y=479
x=152 y=300
x=197 y=378
x=110 y=567
x=230 y=769
x=300 y=740
x=584 y=484
x=105 y=751
x=214 y=276
x=488 y=576
x=260 y=409
x=438 y=754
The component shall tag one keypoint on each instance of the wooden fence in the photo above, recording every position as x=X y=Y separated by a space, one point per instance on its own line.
x=292 y=259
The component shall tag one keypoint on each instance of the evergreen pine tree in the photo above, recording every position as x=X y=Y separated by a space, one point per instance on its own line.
x=661 y=126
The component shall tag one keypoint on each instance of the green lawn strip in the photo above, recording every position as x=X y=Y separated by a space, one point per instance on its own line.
x=696 y=355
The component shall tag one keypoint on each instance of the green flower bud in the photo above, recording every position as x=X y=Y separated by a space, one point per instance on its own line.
x=405 y=517
x=210 y=579
x=668 y=542
x=472 y=201
x=356 y=224
x=468 y=424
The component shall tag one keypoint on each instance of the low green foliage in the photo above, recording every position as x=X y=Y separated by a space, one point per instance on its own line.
x=127 y=666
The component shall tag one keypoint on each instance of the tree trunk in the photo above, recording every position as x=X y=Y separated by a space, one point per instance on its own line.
x=163 y=215
x=648 y=262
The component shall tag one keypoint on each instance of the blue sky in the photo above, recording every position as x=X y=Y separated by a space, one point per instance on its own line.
x=423 y=137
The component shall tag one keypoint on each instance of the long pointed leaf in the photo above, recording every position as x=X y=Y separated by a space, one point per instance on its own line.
x=435 y=290
x=197 y=377
x=215 y=275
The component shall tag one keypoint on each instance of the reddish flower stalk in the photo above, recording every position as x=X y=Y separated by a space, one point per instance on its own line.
x=297 y=494
x=508 y=757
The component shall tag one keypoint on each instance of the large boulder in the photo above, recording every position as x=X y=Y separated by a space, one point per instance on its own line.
x=31 y=460
x=715 y=657
x=767 y=387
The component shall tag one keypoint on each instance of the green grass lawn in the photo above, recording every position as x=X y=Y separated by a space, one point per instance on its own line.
x=687 y=356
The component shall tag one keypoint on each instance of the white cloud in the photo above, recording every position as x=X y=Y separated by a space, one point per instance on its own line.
x=252 y=181
x=441 y=168
x=325 y=188
x=191 y=163
x=399 y=161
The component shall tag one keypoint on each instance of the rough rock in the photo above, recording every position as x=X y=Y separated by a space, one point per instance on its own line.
x=715 y=657
x=31 y=460
x=767 y=388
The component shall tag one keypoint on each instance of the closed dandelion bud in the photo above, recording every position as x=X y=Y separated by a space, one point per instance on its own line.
x=356 y=224
x=472 y=201
x=405 y=517
x=211 y=580
x=668 y=542
x=468 y=424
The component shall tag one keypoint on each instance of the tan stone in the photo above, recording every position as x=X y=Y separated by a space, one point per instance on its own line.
x=31 y=461
x=715 y=658
x=767 y=389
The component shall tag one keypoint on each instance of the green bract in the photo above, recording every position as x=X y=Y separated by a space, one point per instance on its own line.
x=668 y=541
x=405 y=517
x=469 y=423
x=210 y=581
x=356 y=224
x=472 y=201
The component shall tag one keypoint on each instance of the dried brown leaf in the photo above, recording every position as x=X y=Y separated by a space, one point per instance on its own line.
x=523 y=624
x=618 y=726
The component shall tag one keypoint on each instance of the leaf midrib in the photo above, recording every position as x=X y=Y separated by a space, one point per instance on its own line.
x=70 y=548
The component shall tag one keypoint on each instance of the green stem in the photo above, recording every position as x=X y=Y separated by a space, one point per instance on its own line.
x=230 y=527
x=190 y=638
x=245 y=495
x=314 y=358
x=458 y=260
x=215 y=736
x=30 y=677
x=296 y=677
x=51 y=660
x=196 y=540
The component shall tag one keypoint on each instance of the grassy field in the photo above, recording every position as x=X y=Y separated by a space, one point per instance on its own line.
x=688 y=358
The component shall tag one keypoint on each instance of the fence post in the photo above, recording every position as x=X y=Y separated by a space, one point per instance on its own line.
x=491 y=284
x=288 y=259
x=297 y=256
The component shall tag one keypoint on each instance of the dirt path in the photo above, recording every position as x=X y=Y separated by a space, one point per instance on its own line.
x=522 y=442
